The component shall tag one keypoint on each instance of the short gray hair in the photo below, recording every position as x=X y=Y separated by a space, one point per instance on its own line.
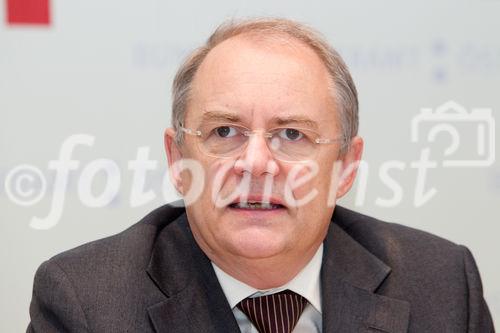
x=345 y=94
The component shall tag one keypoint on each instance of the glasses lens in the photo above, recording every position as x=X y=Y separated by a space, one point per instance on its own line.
x=222 y=139
x=293 y=144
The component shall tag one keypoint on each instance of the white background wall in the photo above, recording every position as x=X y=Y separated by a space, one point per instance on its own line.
x=104 y=68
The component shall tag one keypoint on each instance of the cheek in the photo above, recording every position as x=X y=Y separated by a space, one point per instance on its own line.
x=219 y=179
x=323 y=182
x=317 y=184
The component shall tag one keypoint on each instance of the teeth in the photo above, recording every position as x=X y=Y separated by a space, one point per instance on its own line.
x=255 y=205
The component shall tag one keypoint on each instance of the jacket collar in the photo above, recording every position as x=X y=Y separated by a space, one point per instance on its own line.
x=349 y=278
x=194 y=300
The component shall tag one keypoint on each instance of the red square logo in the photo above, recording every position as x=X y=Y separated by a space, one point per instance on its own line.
x=28 y=12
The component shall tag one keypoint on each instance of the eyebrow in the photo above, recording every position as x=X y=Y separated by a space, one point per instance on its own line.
x=220 y=116
x=282 y=121
x=279 y=121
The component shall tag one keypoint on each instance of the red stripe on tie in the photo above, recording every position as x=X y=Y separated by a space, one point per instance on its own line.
x=28 y=12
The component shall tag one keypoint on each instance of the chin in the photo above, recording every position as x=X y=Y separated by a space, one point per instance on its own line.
x=257 y=244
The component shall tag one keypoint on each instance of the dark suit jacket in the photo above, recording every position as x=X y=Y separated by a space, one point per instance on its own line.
x=376 y=277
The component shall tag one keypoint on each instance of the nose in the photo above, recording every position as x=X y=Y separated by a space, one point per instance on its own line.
x=256 y=158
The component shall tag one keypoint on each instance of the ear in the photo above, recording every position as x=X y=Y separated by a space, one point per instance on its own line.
x=174 y=156
x=350 y=164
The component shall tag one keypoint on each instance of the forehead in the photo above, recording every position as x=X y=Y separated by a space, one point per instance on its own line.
x=262 y=79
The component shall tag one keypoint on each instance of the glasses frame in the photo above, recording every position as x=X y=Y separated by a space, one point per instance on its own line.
x=267 y=134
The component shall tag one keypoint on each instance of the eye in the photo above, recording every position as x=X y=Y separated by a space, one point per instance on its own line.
x=290 y=134
x=225 y=131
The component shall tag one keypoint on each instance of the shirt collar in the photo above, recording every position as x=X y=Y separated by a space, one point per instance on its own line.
x=306 y=283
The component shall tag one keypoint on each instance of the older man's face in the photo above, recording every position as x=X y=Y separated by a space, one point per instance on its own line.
x=261 y=85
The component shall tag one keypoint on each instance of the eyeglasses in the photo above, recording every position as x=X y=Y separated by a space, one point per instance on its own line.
x=226 y=140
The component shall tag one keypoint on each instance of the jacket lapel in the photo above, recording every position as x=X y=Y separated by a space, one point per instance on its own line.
x=350 y=275
x=194 y=300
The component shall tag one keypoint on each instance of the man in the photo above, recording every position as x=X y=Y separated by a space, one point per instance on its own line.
x=264 y=141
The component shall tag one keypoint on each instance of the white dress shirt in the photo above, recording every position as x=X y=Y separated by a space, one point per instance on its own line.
x=306 y=283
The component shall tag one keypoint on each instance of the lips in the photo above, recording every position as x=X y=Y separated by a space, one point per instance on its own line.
x=257 y=204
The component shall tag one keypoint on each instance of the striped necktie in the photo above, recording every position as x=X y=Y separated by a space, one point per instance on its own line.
x=276 y=313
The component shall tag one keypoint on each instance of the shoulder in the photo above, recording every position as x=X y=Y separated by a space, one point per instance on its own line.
x=121 y=254
x=371 y=231
x=439 y=278
x=402 y=247
x=101 y=284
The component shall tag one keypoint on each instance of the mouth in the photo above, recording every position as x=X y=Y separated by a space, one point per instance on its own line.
x=256 y=205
